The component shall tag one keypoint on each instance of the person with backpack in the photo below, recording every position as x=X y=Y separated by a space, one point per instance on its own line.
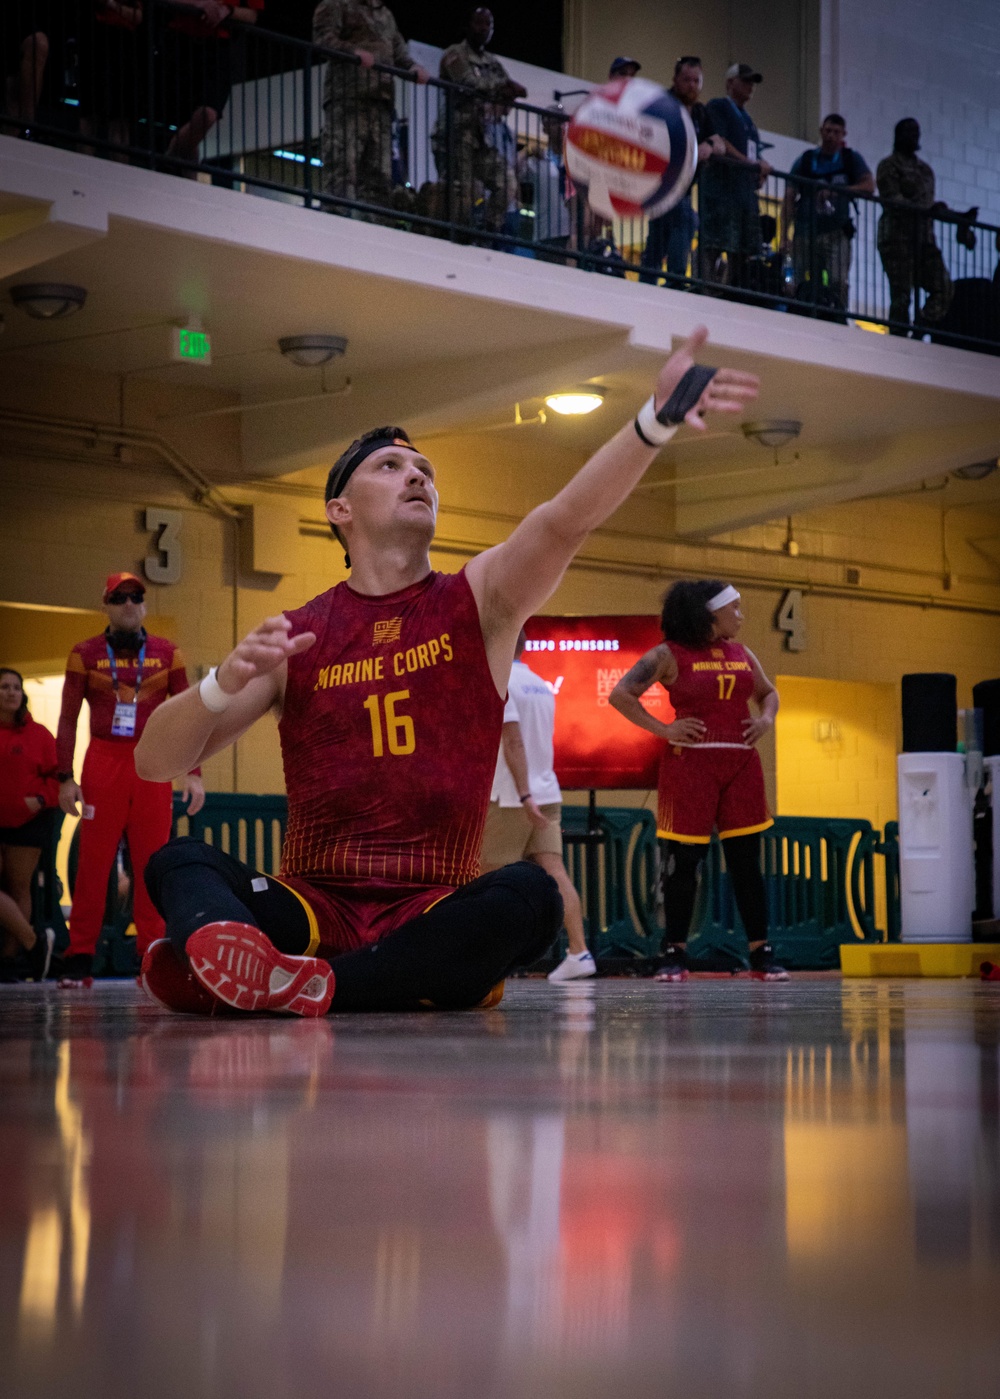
x=817 y=223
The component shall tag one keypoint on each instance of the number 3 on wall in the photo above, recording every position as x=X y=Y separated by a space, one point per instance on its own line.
x=165 y=565
x=791 y=619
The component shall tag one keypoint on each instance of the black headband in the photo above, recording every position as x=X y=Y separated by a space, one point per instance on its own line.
x=374 y=444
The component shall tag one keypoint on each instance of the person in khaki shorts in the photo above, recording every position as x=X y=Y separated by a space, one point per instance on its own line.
x=523 y=821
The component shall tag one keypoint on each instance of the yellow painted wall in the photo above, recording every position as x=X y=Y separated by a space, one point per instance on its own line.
x=37 y=640
x=835 y=747
x=70 y=520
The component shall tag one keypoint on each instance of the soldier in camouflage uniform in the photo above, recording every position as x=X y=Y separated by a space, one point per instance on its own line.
x=357 y=101
x=906 y=245
x=472 y=143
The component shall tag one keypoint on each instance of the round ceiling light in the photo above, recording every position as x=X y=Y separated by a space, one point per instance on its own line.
x=48 y=301
x=307 y=351
x=977 y=470
x=575 y=403
x=773 y=432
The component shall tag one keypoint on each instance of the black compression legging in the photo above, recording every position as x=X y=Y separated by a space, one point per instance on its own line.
x=681 y=872
x=449 y=957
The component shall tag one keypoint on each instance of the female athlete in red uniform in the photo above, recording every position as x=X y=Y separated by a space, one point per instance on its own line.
x=390 y=689
x=710 y=772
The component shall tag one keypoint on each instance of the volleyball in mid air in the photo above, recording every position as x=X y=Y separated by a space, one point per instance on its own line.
x=631 y=149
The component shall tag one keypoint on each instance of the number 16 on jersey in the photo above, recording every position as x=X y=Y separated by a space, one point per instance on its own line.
x=397 y=728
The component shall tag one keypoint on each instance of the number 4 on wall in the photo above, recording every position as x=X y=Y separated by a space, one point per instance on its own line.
x=791 y=619
x=165 y=565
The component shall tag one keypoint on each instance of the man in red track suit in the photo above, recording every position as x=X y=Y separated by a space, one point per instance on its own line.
x=123 y=674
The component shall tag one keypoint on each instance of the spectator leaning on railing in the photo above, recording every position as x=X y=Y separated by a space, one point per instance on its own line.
x=112 y=68
x=542 y=176
x=357 y=102
x=24 y=34
x=671 y=235
x=195 y=67
x=472 y=143
x=906 y=243
x=728 y=208
x=823 y=227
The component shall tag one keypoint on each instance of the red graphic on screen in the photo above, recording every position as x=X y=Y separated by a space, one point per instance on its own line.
x=582 y=659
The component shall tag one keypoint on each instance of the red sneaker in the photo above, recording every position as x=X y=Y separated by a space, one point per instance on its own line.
x=243 y=968
x=170 y=983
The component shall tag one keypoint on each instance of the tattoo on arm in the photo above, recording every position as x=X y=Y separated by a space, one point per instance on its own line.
x=638 y=680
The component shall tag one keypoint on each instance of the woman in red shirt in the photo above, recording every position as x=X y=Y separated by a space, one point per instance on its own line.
x=710 y=772
x=29 y=792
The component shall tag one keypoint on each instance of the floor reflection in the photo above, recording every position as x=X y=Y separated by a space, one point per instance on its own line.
x=720 y=1187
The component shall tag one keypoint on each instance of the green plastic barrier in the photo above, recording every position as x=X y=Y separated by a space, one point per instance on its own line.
x=819 y=875
x=243 y=824
x=612 y=859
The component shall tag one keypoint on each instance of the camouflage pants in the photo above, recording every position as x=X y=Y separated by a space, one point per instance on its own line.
x=481 y=182
x=907 y=266
x=357 y=151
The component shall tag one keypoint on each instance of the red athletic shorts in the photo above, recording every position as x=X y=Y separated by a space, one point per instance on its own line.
x=343 y=917
x=702 y=788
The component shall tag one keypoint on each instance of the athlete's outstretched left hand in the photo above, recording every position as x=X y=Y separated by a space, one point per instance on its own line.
x=728 y=391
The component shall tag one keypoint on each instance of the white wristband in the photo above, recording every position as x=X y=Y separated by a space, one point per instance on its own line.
x=648 y=426
x=213 y=696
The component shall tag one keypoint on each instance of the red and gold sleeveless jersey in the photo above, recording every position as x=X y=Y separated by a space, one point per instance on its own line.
x=389 y=735
x=713 y=684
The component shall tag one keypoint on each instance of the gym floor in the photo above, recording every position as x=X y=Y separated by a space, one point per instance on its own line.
x=621 y=1189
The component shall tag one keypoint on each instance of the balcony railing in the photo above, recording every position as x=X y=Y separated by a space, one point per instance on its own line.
x=286 y=119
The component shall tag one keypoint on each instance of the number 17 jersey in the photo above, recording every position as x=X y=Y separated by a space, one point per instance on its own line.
x=714 y=684
x=389 y=736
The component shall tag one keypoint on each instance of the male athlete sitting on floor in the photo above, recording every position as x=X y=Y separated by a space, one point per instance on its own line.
x=391 y=695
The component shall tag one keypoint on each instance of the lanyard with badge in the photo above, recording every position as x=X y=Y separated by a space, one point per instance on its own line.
x=752 y=151
x=123 y=723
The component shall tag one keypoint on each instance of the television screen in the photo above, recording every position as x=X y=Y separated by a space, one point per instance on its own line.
x=582 y=659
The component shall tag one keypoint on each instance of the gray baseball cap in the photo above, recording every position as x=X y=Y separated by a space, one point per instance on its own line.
x=744 y=71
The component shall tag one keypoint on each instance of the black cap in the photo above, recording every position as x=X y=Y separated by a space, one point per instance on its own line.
x=623 y=62
x=744 y=71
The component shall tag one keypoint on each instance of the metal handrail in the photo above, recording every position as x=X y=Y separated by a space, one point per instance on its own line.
x=275 y=139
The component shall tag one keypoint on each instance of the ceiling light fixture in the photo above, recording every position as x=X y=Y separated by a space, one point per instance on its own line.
x=977 y=470
x=307 y=351
x=48 y=301
x=773 y=432
x=573 y=404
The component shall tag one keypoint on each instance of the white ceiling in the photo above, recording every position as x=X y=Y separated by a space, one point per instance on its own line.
x=444 y=360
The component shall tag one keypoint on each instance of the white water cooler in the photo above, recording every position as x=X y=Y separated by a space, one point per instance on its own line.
x=936 y=865
x=992 y=769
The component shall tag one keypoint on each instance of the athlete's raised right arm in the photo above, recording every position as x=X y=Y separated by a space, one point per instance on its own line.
x=657 y=664
x=183 y=732
x=513 y=579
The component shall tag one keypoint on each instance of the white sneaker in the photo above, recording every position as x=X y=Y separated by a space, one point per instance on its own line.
x=573 y=966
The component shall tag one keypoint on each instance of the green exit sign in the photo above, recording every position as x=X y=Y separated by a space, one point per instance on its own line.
x=191 y=346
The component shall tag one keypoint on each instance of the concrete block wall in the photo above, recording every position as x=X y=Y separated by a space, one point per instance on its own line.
x=882 y=61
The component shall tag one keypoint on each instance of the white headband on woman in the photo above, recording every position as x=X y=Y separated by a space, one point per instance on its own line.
x=723 y=599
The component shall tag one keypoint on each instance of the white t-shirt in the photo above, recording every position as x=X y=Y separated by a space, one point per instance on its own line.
x=532 y=704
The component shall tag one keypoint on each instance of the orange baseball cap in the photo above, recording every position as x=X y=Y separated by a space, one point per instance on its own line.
x=115 y=581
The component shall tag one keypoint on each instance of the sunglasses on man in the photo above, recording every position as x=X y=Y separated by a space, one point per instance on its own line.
x=117 y=599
